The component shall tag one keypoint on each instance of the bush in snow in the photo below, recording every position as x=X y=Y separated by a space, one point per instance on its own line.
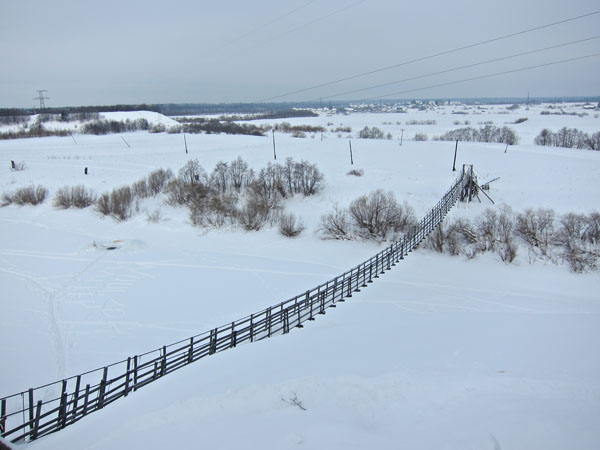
x=119 y=203
x=420 y=137
x=290 y=225
x=379 y=215
x=371 y=133
x=74 y=197
x=31 y=195
x=335 y=225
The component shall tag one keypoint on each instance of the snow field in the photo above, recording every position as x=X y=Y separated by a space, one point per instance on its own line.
x=438 y=353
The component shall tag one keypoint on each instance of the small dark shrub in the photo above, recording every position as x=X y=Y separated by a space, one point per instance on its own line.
x=157 y=180
x=378 y=215
x=356 y=173
x=140 y=188
x=119 y=204
x=31 y=195
x=335 y=225
x=420 y=137
x=290 y=225
x=74 y=197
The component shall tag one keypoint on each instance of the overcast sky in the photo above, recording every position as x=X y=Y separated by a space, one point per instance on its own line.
x=156 y=51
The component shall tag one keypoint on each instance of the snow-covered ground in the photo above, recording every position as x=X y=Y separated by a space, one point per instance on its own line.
x=438 y=353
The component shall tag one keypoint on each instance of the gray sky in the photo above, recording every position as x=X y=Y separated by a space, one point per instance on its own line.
x=107 y=52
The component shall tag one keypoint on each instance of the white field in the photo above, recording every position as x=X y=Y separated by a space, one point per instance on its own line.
x=438 y=353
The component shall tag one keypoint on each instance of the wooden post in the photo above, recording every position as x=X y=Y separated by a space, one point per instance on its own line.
x=126 y=143
x=251 y=327
x=297 y=306
x=274 y=154
x=3 y=416
x=30 y=408
x=12 y=165
x=102 y=388
x=76 y=398
x=36 y=423
x=506 y=149
x=85 y=171
x=62 y=412
x=351 y=159
x=185 y=143
x=163 y=361
x=86 y=399
x=401 y=136
x=349 y=292
x=126 y=391
x=232 y=342
x=191 y=351
x=454 y=163
x=268 y=320
x=135 y=373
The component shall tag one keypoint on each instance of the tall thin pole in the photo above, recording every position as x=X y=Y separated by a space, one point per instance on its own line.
x=351 y=159
x=454 y=163
x=274 y=154
x=401 y=136
x=185 y=142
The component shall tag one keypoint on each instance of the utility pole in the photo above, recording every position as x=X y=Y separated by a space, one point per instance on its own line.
x=454 y=163
x=351 y=159
x=274 y=154
x=41 y=98
x=401 y=136
x=185 y=143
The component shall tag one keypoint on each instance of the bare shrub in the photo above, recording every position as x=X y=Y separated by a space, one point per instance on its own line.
x=536 y=228
x=592 y=232
x=192 y=173
x=356 y=173
x=140 y=188
x=378 y=215
x=240 y=174
x=436 y=239
x=119 y=204
x=335 y=225
x=103 y=204
x=290 y=225
x=371 y=133
x=158 y=128
x=506 y=248
x=157 y=180
x=421 y=137
x=253 y=215
x=31 y=195
x=220 y=177
x=74 y=197
x=177 y=192
x=461 y=238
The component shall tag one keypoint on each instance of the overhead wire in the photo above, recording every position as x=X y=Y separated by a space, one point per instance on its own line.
x=435 y=55
x=306 y=24
x=464 y=80
x=468 y=66
x=266 y=24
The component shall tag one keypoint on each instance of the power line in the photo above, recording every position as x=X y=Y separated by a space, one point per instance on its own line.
x=435 y=55
x=464 y=80
x=516 y=55
x=318 y=19
x=266 y=24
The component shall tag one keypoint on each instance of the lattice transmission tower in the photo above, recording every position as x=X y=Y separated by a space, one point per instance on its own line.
x=41 y=98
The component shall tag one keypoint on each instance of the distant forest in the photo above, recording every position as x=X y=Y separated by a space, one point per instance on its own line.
x=173 y=109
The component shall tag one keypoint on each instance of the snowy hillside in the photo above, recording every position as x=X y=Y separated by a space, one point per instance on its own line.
x=440 y=352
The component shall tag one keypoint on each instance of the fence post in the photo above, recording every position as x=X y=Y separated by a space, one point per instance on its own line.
x=163 y=361
x=3 y=416
x=36 y=423
x=135 y=372
x=86 y=399
x=62 y=411
x=299 y=325
x=322 y=302
x=102 y=388
x=30 y=408
x=126 y=390
x=76 y=398
x=349 y=290
x=251 y=327
x=268 y=320
x=232 y=337
x=191 y=351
